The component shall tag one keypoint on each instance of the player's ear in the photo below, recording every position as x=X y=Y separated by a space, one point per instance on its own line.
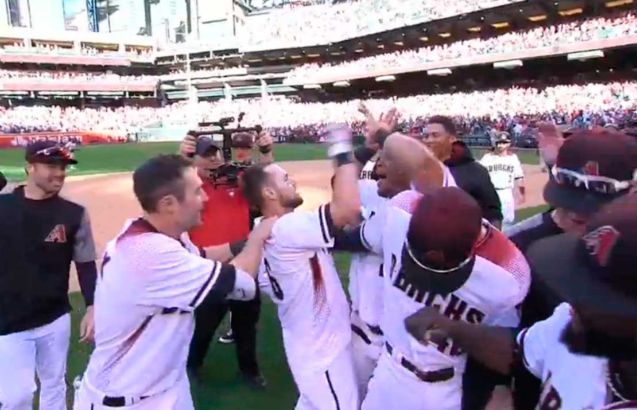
x=269 y=193
x=167 y=203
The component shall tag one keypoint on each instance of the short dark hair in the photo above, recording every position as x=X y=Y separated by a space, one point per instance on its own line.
x=446 y=122
x=160 y=176
x=253 y=180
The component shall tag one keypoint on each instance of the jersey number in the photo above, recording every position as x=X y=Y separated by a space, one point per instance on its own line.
x=276 y=289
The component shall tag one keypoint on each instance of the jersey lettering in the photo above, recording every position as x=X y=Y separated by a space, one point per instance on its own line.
x=449 y=305
x=276 y=288
x=500 y=167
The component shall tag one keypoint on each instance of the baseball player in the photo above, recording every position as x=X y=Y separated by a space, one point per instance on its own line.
x=152 y=279
x=299 y=274
x=507 y=176
x=41 y=233
x=585 y=353
x=402 y=160
x=365 y=290
x=429 y=260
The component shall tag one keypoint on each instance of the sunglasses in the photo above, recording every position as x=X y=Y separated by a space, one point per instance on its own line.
x=56 y=151
x=600 y=185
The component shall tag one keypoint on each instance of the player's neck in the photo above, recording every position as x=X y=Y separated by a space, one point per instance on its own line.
x=163 y=226
x=275 y=210
x=33 y=192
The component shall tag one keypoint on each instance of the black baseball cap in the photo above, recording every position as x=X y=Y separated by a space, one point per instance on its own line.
x=49 y=152
x=207 y=145
x=596 y=270
x=445 y=226
x=593 y=154
x=502 y=137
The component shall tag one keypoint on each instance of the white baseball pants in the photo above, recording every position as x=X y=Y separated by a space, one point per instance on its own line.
x=367 y=347
x=330 y=390
x=507 y=201
x=176 y=398
x=394 y=387
x=42 y=351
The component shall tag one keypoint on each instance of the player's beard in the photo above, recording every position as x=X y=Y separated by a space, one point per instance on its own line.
x=293 y=203
x=593 y=343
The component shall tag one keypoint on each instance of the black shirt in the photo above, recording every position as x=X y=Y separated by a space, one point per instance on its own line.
x=474 y=179
x=38 y=241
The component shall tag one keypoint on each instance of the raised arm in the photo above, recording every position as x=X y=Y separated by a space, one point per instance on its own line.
x=265 y=146
x=345 y=204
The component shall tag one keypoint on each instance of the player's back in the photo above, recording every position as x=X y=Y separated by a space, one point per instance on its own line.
x=298 y=273
x=473 y=300
x=140 y=346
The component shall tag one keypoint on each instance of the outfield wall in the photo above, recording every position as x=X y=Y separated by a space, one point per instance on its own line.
x=83 y=138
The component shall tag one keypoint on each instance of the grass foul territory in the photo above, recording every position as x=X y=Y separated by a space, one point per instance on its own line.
x=103 y=159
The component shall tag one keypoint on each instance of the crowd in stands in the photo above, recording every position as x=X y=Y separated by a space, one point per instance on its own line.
x=540 y=37
x=601 y=104
x=325 y=23
x=82 y=51
x=61 y=76
x=116 y=121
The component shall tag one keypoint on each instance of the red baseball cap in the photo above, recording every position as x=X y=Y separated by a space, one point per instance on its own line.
x=592 y=169
x=443 y=230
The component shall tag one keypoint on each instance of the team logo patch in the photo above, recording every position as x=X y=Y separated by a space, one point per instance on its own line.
x=57 y=234
x=591 y=168
x=601 y=242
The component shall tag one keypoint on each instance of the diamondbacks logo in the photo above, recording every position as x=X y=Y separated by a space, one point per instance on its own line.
x=600 y=243
x=57 y=234
x=591 y=168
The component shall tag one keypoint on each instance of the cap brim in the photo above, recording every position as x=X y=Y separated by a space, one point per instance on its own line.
x=51 y=160
x=560 y=264
x=427 y=280
x=573 y=199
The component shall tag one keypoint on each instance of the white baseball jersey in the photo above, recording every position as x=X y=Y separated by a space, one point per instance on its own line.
x=569 y=381
x=474 y=302
x=368 y=168
x=365 y=283
x=503 y=169
x=305 y=286
x=144 y=300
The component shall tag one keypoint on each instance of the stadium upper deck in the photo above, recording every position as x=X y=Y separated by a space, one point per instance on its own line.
x=122 y=65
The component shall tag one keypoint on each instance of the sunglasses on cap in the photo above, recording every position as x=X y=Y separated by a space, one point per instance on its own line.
x=594 y=183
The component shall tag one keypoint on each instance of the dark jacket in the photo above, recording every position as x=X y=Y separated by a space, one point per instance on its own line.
x=475 y=180
x=3 y=181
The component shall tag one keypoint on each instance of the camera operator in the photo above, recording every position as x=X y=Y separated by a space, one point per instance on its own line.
x=226 y=219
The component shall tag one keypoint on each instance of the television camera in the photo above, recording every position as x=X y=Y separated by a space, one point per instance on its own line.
x=215 y=132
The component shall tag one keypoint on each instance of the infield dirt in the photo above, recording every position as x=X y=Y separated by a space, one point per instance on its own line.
x=110 y=200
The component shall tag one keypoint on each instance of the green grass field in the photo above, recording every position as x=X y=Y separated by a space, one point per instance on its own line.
x=222 y=389
x=101 y=159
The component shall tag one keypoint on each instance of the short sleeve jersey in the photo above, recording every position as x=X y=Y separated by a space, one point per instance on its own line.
x=303 y=282
x=146 y=293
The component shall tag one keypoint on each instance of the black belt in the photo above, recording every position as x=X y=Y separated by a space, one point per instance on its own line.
x=429 y=377
x=361 y=333
x=118 y=401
